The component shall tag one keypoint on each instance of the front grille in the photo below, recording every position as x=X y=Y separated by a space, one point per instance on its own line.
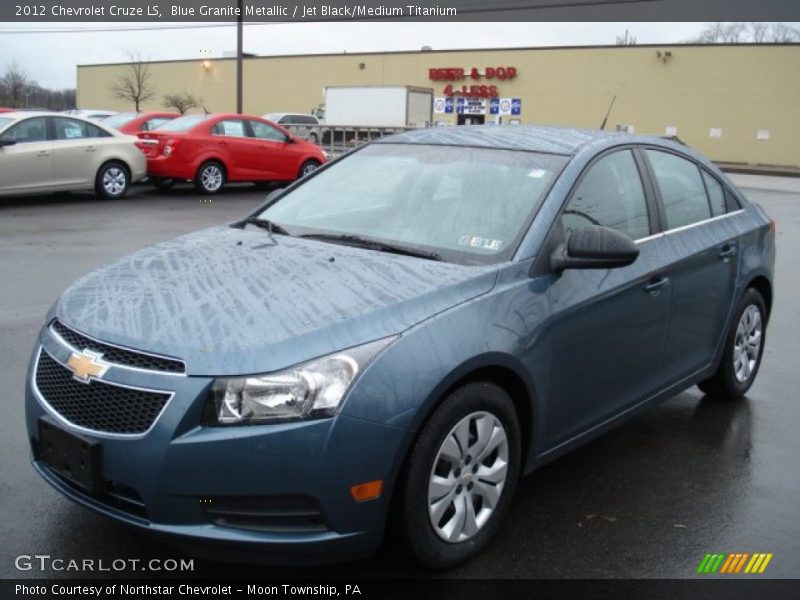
x=96 y=405
x=116 y=355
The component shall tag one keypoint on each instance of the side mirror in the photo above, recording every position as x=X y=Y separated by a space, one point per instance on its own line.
x=594 y=247
x=7 y=141
x=290 y=139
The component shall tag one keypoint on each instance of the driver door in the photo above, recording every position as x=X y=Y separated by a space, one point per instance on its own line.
x=27 y=165
x=609 y=326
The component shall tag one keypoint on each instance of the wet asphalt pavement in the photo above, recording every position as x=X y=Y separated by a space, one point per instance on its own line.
x=648 y=499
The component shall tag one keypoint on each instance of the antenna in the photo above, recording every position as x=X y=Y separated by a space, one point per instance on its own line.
x=605 y=119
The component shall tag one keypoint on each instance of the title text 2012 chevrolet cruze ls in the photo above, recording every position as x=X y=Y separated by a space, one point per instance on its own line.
x=397 y=338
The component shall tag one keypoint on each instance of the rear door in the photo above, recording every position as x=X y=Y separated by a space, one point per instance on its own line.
x=231 y=137
x=28 y=164
x=609 y=325
x=77 y=151
x=705 y=256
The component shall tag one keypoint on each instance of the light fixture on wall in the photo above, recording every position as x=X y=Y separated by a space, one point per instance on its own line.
x=362 y=66
x=664 y=56
x=207 y=65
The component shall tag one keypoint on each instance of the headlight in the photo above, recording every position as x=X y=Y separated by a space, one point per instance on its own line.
x=307 y=391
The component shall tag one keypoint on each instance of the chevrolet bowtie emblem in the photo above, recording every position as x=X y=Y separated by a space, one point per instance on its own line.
x=87 y=365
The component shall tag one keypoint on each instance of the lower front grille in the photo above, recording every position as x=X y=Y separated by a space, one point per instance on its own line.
x=97 y=406
x=278 y=514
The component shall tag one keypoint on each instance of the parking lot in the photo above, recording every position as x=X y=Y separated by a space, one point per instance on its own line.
x=648 y=499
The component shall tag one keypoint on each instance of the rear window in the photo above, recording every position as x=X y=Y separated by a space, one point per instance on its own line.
x=184 y=123
x=120 y=119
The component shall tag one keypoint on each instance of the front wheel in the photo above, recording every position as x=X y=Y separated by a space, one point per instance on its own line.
x=308 y=167
x=460 y=477
x=112 y=181
x=210 y=177
x=744 y=345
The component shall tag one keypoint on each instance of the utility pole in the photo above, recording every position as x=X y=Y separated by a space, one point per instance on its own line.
x=239 y=58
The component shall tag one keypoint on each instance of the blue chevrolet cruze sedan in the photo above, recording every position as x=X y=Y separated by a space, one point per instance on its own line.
x=396 y=339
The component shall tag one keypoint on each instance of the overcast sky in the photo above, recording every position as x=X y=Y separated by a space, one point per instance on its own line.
x=50 y=58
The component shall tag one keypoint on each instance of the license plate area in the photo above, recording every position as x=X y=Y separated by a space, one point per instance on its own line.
x=74 y=457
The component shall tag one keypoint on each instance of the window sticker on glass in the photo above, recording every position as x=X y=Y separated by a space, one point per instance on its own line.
x=474 y=241
x=537 y=173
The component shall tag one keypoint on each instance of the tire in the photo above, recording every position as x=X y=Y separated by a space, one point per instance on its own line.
x=164 y=184
x=744 y=348
x=210 y=178
x=112 y=181
x=308 y=167
x=429 y=471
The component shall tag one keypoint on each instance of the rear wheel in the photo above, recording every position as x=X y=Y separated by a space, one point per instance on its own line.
x=308 y=167
x=112 y=181
x=210 y=177
x=744 y=345
x=460 y=477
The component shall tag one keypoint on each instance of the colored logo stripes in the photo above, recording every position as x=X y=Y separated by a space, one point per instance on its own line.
x=737 y=562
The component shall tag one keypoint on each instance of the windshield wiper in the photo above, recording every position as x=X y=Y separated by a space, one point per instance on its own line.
x=356 y=240
x=270 y=226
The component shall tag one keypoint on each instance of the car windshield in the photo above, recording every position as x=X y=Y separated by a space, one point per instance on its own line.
x=120 y=119
x=184 y=123
x=4 y=122
x=468 y=205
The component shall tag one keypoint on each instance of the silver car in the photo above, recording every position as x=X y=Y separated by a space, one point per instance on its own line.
x=51 y=152
x=301 y=125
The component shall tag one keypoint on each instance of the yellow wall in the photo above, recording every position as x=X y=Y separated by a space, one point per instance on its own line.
x=737 y=88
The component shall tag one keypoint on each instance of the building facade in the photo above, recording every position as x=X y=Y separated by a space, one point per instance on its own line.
x=735 y=103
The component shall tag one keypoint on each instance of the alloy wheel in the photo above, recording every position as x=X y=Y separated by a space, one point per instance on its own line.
x=211 y=178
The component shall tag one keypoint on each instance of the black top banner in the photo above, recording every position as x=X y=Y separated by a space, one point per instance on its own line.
x=410 y=10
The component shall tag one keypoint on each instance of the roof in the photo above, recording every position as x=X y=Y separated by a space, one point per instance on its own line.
x=532 y=138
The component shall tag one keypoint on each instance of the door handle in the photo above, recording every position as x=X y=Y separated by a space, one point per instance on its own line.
x=727 y=252
x=91 y=148
x=43 y=153
x=655 y=285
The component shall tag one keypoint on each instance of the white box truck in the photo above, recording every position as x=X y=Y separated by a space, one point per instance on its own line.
x=378 y=106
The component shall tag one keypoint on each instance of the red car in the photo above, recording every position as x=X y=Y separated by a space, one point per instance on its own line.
x=2 y=110
x=132 y=122
x=213 y=149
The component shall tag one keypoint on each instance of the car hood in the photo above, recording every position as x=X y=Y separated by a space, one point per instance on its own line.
x=229 y=301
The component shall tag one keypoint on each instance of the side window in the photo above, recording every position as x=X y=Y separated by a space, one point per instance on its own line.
x=307 y=120
x=716 y=197
x=610 y=194
x=155 y=122
x=285 y=120
x=28 y=131
x=263 y=131
x=72 y=129
x=682 y=189
x=233 y=127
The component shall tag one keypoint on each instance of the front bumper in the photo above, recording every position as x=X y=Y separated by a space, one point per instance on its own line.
x=173 y=480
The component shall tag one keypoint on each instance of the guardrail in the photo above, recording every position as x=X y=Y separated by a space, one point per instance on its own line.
x=336 y=140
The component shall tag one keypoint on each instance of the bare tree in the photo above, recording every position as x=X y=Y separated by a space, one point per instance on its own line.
x=758 y=32
x=722 y=33
x=781 y=33
x=182 y=102
x=15 y=84
x=626 y=40
x=135 y=85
